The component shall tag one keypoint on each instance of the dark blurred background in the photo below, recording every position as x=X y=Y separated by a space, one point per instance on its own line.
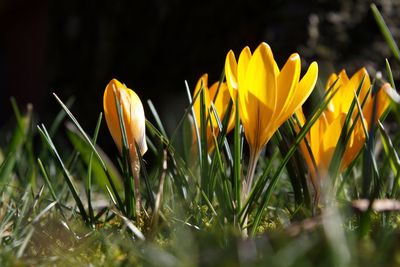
x=74 y=47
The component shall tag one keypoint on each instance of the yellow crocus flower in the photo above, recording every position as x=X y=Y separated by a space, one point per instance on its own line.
x=133 y=115
x=220 y=97
x=267 y=95
x=325 y=132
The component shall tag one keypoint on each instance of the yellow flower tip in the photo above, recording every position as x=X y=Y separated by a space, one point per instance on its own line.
x=314 y=69
x=132 y=113
x=231 y=74
x=294 y=57
x=386 y=93
x=203 y=81
x=264 y=46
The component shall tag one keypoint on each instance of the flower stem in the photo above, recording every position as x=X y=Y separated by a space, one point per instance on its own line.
x=247 y=182
x=135 y=166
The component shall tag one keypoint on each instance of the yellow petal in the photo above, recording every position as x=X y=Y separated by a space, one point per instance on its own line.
x=110 y=112
x=331 y=80
x=315 y=139
x=244 y=59
x=349 y=89
x=382 y=103
x=287 y=81
x=261 y=81
x=383 y=100
x=362 y=73
x=221 y=101
x=304 y=88
x=330 y=137
x=137 y=123
x=343 y=76
x=243 y=63
x=261 y=78
x=231 y=73
x=353 y=147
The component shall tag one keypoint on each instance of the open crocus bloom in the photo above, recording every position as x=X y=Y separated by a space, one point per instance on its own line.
x=325 y=132
x=267 y=95
x=219 y=95
x=132 y=113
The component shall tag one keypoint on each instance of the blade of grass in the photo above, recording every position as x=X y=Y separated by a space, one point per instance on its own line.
x=237 y=149
x=196 y=123
x=89 y=171
x=390 y=74
x=68 y=178
x=371 y=186
x=132 y=207
x=387 y=35
x=98 y=173
x=145 y=176
x=48 y=184
x=204 y=164
x=393 y=157
x=89 y=142
x=18 y=139
x=156 y=117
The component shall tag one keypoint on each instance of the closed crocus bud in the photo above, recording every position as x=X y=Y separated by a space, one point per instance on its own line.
x=133 y=116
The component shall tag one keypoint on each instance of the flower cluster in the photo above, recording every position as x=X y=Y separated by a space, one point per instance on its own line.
x=324 y=134
x=266 y=96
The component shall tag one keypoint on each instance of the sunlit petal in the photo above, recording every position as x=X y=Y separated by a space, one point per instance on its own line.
x=287 y=81
x=231 y=73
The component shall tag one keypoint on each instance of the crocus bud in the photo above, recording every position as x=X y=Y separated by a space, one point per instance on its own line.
x=132 y=113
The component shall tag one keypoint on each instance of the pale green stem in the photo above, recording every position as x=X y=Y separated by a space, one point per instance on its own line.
x=135 y=165
x=250 y=174
x=246 y=184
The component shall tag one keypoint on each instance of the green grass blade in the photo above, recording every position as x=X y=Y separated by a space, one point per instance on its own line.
x=15 y=146
x=196 y=123
x=79 y=127
x=68 y=178
x=89 y=171
x=204 y=164
x=237 y=159
x=390 y=74
x=156 y=117
x=369 y=163
x=394 y=160
x=385 y=32
x=129 y=186
x=98 y=172
x=55 y=125
x=89 y=142
x=7 y=167
x=145 y=176
x=47 y=180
